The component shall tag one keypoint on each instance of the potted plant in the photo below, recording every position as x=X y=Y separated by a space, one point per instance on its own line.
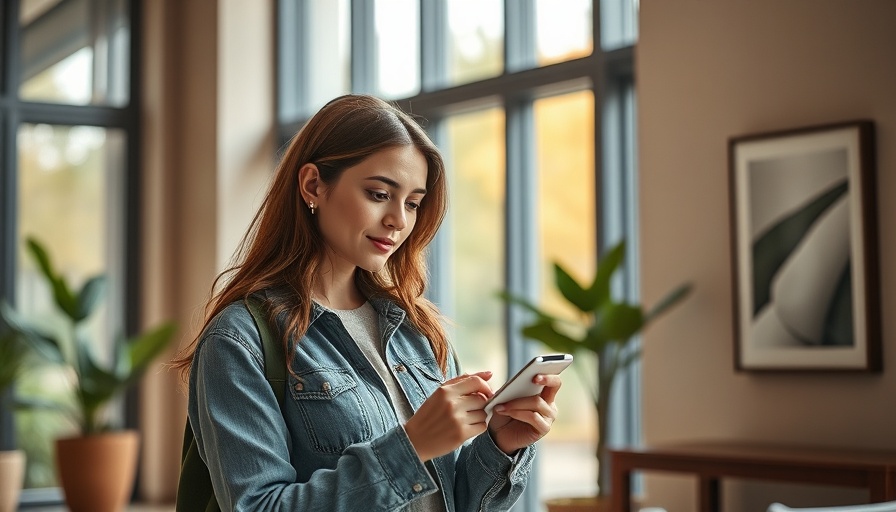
x=604 y=327
x=104 y=483
x=12 y=461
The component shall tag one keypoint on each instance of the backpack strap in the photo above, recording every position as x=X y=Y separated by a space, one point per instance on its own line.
x=194 y=489
x=274 y=359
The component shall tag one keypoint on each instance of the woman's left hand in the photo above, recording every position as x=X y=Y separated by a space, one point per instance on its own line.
x=518 y=423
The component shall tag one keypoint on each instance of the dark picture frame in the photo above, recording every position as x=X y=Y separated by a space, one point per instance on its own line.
x=804 y=249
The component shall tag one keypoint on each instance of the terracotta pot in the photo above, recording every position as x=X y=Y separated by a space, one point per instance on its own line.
x=97 y=472
x=587 y=504
x=12 y=476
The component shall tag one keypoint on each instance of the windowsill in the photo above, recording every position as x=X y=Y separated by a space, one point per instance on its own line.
x=49 y=499
x=136 y=507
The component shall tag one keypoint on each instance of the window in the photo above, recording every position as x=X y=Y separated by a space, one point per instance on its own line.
x=68 y=132
x=532 y=104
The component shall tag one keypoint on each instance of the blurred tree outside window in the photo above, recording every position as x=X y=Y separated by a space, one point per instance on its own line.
x=475 y=48
x=474 y=154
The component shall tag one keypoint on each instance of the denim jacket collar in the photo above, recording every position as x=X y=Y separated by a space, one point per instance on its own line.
x=385 y=307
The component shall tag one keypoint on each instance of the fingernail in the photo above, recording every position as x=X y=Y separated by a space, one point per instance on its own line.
x=500 y=408
x=539 y=379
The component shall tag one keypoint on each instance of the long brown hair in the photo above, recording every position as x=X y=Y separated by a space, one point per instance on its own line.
x=283 y=249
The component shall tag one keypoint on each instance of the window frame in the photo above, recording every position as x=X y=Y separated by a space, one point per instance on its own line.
x=15 y=112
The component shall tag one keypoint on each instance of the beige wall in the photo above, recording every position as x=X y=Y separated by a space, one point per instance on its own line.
x=706 y=71
x=208 y=150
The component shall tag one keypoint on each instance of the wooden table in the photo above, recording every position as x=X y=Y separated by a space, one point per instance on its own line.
x=874 y=470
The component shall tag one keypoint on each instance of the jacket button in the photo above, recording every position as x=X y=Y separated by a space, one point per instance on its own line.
x=299 y=387
x=417 y=487
x=325 y=386
x=400 y=368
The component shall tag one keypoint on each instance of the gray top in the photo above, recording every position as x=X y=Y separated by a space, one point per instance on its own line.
x=361 y=325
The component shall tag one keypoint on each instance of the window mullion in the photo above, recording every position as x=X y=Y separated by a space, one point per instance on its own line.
x=598 y=81
x=130 y=231
x=433 y=38
x=363 y=46
x=293 y=25
x=522 y=255
x=439 y=290
x=522 y=252
x=519 y=34
x=8 y=15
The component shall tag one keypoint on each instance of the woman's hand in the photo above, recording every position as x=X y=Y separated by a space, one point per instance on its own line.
x=450 y=416
x=518 y=423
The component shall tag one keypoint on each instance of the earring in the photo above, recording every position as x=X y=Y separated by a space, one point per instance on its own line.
x=313 y=208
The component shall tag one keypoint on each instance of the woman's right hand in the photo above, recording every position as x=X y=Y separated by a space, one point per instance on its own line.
x=450 y=416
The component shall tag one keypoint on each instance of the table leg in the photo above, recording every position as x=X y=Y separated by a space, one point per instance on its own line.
x=881 y=487
x=621 y=488
x=710 y=494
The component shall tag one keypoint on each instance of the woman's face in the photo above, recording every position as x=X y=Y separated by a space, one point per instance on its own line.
x=372 y=208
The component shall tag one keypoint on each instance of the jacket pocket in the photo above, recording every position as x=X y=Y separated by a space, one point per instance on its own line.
x=427 y=377
x=334 y=415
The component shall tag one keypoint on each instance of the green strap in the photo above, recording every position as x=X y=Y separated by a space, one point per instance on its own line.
x=194 y=489
x=274 y=359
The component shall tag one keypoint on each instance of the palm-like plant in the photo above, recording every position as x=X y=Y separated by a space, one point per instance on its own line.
x=13 y=352
x=12 y=358
x=94 y=384
x=605 y=327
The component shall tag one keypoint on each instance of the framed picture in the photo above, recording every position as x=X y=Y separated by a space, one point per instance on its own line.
x=804 y=246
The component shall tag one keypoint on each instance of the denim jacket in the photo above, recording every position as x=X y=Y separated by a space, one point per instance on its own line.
x=338 y=445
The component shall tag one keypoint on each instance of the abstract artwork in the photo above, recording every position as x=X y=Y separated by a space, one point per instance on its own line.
x=804 y=245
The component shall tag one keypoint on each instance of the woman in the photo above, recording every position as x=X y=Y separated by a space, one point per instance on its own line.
x=376 y=416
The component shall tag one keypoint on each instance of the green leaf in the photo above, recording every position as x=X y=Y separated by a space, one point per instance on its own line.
x=41 y=257
x=599 y=291
x=95 y=382
x=41 y=343
x=572 y=290
x=12 y=359
x=521 y=301
x=96 y=387
x=62 y=294
x=618 y=322
x=668 y=301
x=595 y=339
x=545 y=332
x=90 y=296
x=146 y=347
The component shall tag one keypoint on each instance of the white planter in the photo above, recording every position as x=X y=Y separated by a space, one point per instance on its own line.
x=12 y=475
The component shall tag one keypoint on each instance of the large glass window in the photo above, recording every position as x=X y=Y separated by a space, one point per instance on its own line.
x=563 y=30
x=474 y=233
x=74 y=52
x=69 y=201
x=397 y=54
x=567 y=226
x=66 y=175
x=475 y=48
x=531 y=102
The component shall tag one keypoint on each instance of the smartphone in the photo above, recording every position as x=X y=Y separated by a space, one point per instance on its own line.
x=521 y=385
